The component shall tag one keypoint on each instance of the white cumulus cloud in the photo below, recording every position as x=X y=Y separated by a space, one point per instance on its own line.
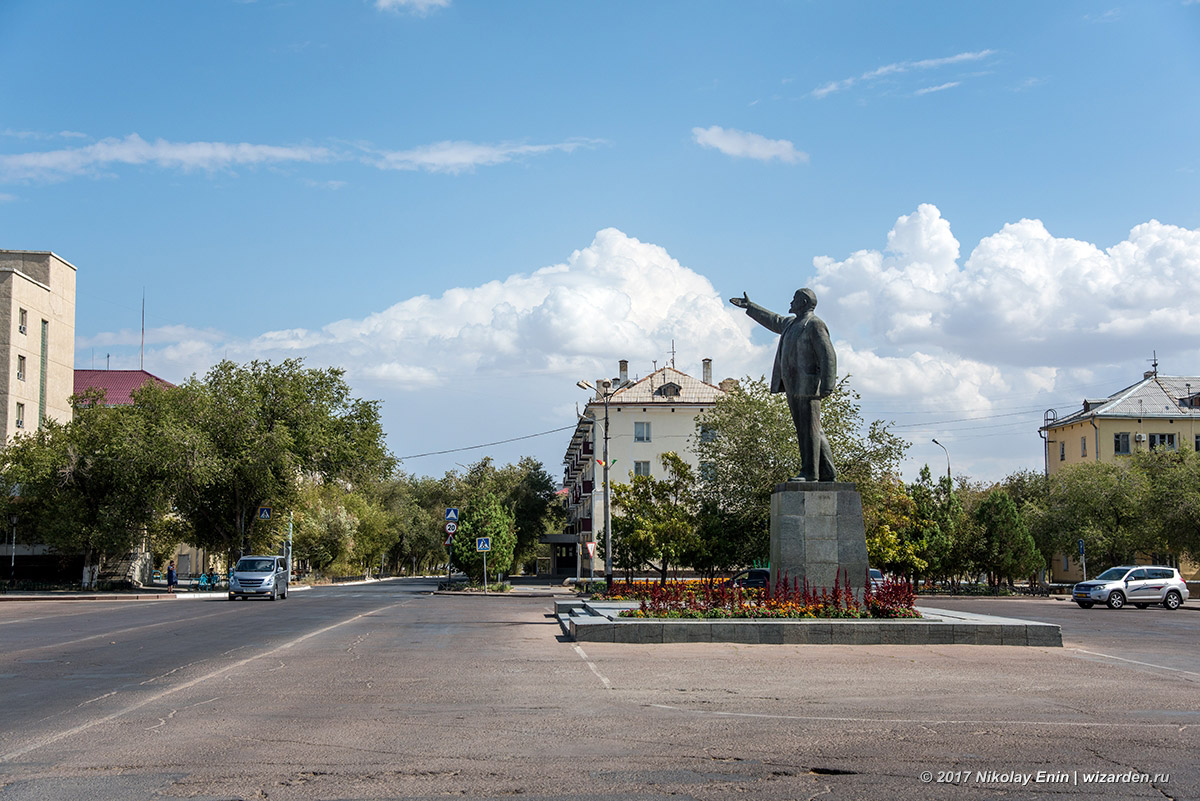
x=742 y=144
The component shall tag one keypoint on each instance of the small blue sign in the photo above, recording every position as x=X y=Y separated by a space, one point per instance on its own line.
x=264 y=513
x=483 y=543
x=452 y=514
x=1081 y=547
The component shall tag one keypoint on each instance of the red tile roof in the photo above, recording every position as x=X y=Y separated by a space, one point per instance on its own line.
x=118 y=385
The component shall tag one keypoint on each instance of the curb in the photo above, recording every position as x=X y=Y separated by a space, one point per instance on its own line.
x=586 y=622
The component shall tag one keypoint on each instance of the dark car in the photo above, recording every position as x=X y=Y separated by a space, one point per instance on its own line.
x=755 y=578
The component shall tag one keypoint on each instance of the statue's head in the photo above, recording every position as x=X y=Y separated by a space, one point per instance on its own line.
x=803 y=301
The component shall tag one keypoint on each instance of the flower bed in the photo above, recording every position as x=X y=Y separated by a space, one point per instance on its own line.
x=893 y=599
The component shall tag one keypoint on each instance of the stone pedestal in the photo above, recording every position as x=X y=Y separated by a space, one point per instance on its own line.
x=817 y=533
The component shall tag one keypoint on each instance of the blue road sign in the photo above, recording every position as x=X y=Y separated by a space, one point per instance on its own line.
x=483 y=543
x=1081 y=547
x=452 y=514
x=264 y=513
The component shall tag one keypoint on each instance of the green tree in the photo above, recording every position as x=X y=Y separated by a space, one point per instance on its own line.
x=1101 y=503
x=99 y=486
x=1171 y=507
x=658 y=516
x=1008 y=548
x=261 y=427
x=485 y=516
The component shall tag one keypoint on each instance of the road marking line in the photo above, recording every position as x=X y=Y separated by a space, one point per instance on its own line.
x=1136 y=662
x=186 y=685
x=114 y=633
x=919 y=721
x=592 y=665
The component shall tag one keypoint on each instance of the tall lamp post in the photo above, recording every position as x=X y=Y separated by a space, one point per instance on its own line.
x=605 y=393
x=949 y=480
x=12 y=559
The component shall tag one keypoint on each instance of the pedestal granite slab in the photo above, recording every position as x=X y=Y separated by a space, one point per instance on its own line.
x=817 y=533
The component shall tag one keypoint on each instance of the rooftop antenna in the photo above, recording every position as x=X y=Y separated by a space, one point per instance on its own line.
x=142 y=354
x=1154 y=362
x=107 y=360
x=672 y=353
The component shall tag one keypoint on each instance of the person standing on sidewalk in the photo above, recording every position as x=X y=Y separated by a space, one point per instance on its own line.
x=172 y=577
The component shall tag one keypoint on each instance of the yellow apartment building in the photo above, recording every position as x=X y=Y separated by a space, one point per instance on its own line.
x=1157 y=412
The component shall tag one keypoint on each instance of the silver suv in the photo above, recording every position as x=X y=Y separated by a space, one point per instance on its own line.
x=1140 y=585
x=262 y=576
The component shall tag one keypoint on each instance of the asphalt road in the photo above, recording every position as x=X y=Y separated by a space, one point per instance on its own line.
x=386 y=691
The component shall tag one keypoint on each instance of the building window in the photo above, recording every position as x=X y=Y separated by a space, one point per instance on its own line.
x=20 y=415
x=708 y=434
x=641 y=432
x=20 y=368
x=22 y=320
x=1166 y=441
x=1083 y=446
x=1062 y=451
x=1066 y=563
x=1198 y=443
x=1121 y=442
x=641 y=468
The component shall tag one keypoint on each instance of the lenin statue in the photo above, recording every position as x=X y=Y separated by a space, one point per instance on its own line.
x=805 y=371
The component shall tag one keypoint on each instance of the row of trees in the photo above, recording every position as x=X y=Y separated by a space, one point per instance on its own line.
x=1147 y=506
x=193 y=464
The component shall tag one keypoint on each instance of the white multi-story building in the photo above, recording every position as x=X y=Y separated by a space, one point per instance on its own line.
x=37 y=337
x=647 y=418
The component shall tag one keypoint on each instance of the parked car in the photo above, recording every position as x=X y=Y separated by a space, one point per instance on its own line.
x=755 y=578
x=876 y=577
x=1140 y=585
x=259 y=576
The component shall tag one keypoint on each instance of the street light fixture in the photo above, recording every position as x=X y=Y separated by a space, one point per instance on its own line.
x=949 y=480
x=605 y=393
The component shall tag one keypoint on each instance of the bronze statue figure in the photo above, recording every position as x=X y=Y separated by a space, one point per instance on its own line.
x=806 y=371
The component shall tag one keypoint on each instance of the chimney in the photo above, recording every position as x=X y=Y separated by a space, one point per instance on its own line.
x=707 y=371
x=624 y=365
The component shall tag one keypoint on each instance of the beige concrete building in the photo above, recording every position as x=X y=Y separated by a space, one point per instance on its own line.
x=647 y=418
x=37 y=338
x=1157 y=412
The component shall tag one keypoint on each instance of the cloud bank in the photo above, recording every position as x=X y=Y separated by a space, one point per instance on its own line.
x=1026 y=321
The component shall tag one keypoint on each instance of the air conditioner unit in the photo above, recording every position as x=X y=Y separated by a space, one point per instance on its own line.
x=1139 y=437
x=20 y=329
x=20 y=376
x=20 y=423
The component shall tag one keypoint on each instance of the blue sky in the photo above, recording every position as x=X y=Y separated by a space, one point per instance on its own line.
x=469 y=206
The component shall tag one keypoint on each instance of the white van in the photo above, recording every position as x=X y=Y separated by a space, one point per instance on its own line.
x=259 y=576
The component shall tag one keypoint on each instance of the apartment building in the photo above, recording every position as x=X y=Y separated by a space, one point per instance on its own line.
x=1157 y=412
x=647 y=418
x=37 y=338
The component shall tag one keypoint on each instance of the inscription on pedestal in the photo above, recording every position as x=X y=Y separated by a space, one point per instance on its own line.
x=817 y=534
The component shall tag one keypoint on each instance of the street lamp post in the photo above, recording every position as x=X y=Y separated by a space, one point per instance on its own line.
x=949 y=480
x=12 y=558
x=605 y=393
